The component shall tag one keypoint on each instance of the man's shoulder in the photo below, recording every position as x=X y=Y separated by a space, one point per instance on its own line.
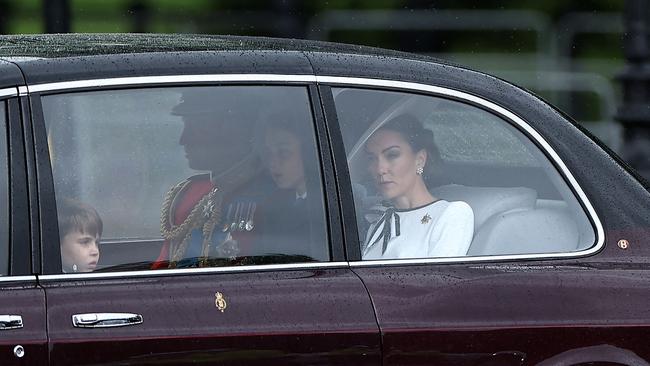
x=191 y=188
x=198 y=178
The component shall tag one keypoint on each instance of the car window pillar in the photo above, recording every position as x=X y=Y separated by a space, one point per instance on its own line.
x=323 y=135
x=46 y=214
x=344 y=185
x=19 y=220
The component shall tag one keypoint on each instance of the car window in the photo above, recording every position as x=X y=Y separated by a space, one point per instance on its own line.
x=4 y=194
x=434 y=177
x=185 y=177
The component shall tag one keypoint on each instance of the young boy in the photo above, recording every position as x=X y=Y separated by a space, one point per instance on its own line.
x=80 y=228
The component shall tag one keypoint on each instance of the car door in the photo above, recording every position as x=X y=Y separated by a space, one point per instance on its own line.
x=269 y=283
x=535 y=285
x=23 y=339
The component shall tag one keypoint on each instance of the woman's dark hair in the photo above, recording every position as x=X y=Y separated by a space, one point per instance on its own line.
x=419 y=138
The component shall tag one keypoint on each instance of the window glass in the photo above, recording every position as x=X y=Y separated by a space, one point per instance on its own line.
x=434 y=177
x=186 y=177
x=4 y=193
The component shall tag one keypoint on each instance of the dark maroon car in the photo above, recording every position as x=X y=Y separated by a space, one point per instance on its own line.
x=211 y=200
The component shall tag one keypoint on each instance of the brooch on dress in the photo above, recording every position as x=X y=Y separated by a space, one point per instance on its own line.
x=425 y=219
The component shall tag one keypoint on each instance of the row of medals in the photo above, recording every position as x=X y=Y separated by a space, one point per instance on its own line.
x=240 y=217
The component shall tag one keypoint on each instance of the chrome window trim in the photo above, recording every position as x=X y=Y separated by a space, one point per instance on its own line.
x=506 y=114
x=193 y=271
x=352 y=81
x=170 y=79
x=8 y=92
x=17 y=278
x=473 y=259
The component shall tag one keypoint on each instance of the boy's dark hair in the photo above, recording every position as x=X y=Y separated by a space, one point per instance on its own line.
x=74 y=215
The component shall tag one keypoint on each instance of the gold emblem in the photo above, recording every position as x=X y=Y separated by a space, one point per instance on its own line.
x=220 y=302
x=425 y=219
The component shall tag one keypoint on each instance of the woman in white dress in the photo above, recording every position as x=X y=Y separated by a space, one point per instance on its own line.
x=414 y=223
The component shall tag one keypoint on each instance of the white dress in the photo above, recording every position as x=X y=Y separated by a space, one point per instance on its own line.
x=439 y=229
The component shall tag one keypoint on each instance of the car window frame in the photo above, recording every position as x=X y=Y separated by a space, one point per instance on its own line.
x=21 y=260
x=51 y=265
x=326 y=83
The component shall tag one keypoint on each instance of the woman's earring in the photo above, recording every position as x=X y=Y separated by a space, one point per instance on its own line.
x=419 y=170
x=74 y=268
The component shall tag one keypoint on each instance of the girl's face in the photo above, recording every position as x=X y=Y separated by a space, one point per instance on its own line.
x=393 y=163
x=283 y=158
x=80 y=249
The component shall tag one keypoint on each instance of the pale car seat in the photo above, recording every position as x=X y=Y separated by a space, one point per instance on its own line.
x=540 y=230
x=488 y=201
x=509 y=221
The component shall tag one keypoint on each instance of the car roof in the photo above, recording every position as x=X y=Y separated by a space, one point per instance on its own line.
x=47 y=58
x=19 y=47
x=51 y=58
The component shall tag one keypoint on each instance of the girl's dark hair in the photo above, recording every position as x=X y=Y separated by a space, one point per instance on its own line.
x=419 y=138
x=76 y=216
x=300 y=125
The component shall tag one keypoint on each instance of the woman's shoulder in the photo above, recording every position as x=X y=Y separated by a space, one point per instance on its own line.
x=459 y=205
x=458 y=209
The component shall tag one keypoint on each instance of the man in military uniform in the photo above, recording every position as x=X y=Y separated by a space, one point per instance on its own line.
x=210 y=219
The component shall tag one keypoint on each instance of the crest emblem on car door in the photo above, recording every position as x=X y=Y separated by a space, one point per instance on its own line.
x=220 y=301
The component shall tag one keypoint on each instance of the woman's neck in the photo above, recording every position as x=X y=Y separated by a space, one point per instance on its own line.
x=418 y=196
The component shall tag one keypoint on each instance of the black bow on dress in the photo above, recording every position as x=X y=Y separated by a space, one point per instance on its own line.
x=384 y=224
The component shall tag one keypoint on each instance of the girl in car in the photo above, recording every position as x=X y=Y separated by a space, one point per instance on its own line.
x=291 y=215
x=414 y=223
x=80 y=228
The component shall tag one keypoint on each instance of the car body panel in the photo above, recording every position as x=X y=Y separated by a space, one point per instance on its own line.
x=537 y=310
x=318 y=316
x=28 y=302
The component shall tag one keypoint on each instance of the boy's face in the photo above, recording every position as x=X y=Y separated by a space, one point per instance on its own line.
x=80 y=249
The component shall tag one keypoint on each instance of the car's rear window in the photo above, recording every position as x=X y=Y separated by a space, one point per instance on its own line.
x=435 y=177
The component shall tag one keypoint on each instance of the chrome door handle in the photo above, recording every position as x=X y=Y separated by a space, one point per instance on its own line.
x=105 y=320
x=11 y=322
